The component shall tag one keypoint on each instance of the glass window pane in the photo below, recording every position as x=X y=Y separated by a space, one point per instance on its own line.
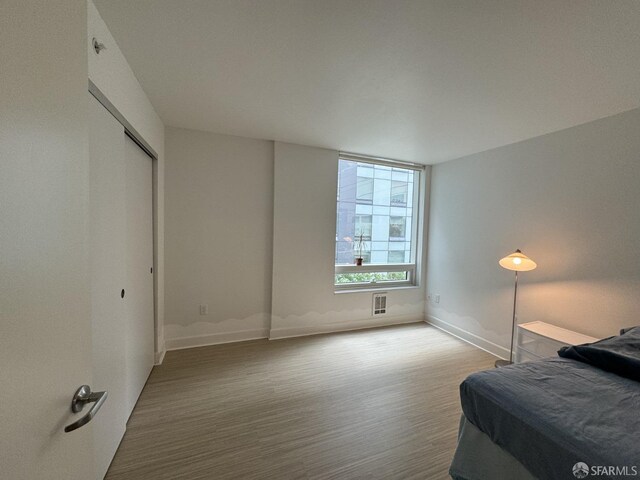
x=369 y=277
x=396 y=256
x=364 y=190
x=399 y=193
x=374 y=201
x=363 y=227
x=396 y=227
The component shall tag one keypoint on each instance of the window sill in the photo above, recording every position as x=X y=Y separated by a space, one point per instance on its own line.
x=376 y=289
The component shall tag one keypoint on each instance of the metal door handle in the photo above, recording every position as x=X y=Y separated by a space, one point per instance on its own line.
x=83 y=396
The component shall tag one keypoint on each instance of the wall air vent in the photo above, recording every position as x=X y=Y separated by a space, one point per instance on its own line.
x=379 y=303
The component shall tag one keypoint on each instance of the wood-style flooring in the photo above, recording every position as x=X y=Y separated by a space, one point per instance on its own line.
x=369 y=404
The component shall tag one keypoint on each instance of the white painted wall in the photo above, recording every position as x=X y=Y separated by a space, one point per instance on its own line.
x=113 y=76
x=45 y=297
x=304 y=298
x=570 y=201
x=224 y=241
x=219 y=204
x=111 y=73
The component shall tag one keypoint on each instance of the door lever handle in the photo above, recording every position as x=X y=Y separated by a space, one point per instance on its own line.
x=83 y=396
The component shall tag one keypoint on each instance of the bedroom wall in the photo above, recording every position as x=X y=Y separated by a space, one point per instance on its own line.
x=569 y=200
x=219 y=210
x=111 y=73
x=257 y=246
x=304 y=298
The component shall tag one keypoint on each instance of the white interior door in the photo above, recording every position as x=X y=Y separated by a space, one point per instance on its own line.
x=45 y=305
x=139 y=265
x=108 y=277
x=121 y=183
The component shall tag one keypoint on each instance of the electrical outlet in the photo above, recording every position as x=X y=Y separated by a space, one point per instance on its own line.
x=437 y=298
x=204 y=309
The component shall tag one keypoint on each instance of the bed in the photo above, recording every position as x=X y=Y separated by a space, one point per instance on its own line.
x=569 y=417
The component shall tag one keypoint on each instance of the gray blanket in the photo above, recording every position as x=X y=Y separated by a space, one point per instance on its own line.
x=551 y=415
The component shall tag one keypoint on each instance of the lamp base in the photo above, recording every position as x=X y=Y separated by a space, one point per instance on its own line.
x=502 y=363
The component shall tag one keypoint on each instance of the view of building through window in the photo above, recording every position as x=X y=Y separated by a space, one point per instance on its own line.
x=375 y=201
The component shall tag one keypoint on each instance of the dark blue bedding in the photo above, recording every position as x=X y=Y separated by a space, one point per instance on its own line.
x=557 y=412
x=619 y=354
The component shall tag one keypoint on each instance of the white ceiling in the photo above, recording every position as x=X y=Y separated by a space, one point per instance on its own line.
x=424 y=81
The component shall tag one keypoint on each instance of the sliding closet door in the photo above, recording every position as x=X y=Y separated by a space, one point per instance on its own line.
x=108 y=273
x=139 y=263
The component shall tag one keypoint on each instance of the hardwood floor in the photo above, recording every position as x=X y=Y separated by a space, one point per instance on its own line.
x=380 y=403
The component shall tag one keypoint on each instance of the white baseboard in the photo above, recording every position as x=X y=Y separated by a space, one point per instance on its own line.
x=282 y=333
x=471 y=338
x=215 y=339
x=159 y=357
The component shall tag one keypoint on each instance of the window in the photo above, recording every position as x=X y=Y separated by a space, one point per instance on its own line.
x=396 y=257
x=396 y=228
x=379 y=200
x=363 y=227
x=364 y=190
x=399 y=193
x=368 y=278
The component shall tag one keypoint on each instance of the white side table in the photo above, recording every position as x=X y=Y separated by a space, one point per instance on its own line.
x=536 y=340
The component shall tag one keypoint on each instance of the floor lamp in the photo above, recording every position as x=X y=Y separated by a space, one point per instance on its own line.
x=517 y=262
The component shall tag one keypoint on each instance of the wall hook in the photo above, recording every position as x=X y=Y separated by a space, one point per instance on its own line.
x=97 y=46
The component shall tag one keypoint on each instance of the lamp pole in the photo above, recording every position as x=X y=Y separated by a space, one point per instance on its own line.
x=500 y=362
x=513 y=320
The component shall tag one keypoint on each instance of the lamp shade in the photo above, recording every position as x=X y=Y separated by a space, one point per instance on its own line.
x=517 y=261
